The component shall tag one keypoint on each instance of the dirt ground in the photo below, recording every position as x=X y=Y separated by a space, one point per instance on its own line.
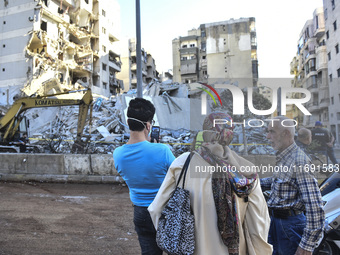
x=54 y=218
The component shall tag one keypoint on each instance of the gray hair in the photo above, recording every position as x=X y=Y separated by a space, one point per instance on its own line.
x=289 y=124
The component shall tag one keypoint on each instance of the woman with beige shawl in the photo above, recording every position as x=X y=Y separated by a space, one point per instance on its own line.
x=231 y=215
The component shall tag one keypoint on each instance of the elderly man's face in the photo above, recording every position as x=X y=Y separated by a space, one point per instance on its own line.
x=275 y=136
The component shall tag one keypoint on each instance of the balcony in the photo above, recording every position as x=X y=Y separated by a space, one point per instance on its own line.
x=189 y=69
x=113 y=81
x=115 y=65
x=313 y=88
x=318 y=33
x=134 y=67
x=192 y=50
x=313 y=107
x=324 y=103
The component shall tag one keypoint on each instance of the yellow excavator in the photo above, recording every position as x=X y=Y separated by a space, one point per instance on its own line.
x=13 y=124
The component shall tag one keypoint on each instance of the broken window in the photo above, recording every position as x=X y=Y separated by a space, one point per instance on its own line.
x=87 y=1
x=334 y=26
x=104 y=67
x=192 y=45
x=104 y=85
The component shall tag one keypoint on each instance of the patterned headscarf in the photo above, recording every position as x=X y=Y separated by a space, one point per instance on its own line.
x=217 y=127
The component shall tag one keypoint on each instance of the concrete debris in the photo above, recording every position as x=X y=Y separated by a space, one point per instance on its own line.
x=109 y=129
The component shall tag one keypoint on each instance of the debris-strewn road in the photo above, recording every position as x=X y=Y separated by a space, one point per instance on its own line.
x=45 y=218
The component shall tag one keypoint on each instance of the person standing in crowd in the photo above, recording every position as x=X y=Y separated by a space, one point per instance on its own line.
x=227 y=220
x=295 y=203
x=322 y=136
x=330 y=149
x=143 y=166
x=304 y=138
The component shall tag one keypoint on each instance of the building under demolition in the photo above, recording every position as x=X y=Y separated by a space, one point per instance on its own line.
x=57 y=45
x=217 y=51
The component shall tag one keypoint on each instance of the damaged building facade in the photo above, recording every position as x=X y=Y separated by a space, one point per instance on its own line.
x=217 y=51
x=128 y=73
x=57 y=45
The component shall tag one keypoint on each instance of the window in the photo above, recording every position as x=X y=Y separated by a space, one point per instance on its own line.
x=4 y=22
x=338 y=72
x=3 y=69
x=204 y=57
x=43 y=26
x=337 y=48
x=104 y=48
x=87 y=1
x=104 y=67
x=332 y=100
x=330 y=78
x=316 y=21
x=103 y=30
x=338 y=115
x=326 y=14
x=327 y=34
x=104 y=85
x=334 y=25
x=333 y=4
x=103 y=13
x=4 y=46
x=329 y=56
x=185 y=46
x=192 y=45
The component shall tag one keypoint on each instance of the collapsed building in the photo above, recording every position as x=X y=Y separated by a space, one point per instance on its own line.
x=178 y=113
x=50 y=46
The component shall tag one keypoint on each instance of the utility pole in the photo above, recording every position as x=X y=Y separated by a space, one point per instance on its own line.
x=139 y=52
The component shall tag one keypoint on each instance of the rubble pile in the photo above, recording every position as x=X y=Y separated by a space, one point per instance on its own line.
x=108 y=129
x=257 y=142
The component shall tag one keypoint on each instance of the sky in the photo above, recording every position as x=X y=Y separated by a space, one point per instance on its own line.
x=278 y=26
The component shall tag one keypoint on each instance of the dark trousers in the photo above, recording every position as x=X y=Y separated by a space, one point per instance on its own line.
x=285 y=234
x=146 y=231
x=331 y=155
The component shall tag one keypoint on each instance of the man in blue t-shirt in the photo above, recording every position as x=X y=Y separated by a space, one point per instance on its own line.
x=143 y=166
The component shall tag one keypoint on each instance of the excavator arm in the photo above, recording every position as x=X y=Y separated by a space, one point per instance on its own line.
x=10 y=122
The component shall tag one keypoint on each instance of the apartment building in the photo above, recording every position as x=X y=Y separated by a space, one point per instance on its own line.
x=332 y=31
x=53 y=45
x=215 y=52
x=309 y=67
x=128 y=73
